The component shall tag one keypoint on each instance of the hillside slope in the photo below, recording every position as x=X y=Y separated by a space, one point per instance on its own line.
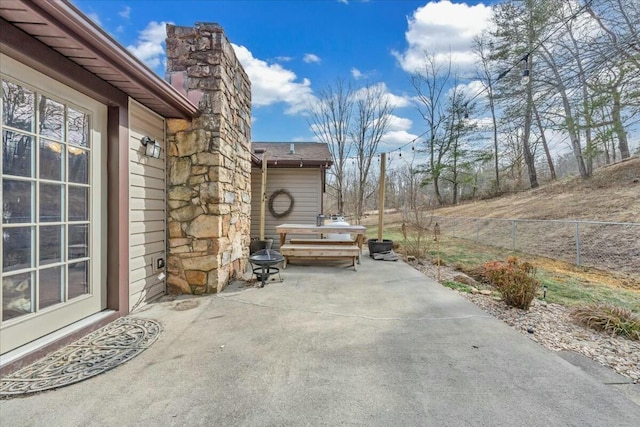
x=611 y=194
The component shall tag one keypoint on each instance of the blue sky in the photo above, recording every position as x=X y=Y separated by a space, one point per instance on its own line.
x=292 y=49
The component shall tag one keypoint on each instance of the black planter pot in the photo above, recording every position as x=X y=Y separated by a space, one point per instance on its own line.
x=376 y=247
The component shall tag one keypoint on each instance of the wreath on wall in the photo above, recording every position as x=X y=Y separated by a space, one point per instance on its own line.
x=273 y=196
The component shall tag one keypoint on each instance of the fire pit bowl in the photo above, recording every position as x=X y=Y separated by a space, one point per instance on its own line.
x=265 y=259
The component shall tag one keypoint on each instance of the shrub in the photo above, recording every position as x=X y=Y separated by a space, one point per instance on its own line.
x=609 y=318
x=515 y=280
x=417 y=233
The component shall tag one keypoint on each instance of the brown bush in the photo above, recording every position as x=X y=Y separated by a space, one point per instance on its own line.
x=515 y=280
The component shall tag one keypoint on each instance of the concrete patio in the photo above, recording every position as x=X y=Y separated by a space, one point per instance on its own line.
x=329 y=346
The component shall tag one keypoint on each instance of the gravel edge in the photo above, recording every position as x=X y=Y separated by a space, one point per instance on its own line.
x=551 y=326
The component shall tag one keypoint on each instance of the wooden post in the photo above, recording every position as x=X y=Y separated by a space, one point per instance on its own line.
x=383 y=167
x=436 y=236
x=263 y=191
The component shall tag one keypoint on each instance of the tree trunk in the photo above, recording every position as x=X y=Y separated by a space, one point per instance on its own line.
x=435 y=172
x=495 y=138
x=568 y=114
x=552 y=169
x=528 y=154
x=623 y=144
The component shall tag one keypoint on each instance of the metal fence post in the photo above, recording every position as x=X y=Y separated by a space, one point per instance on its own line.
x=513 y=235
x=578 y=243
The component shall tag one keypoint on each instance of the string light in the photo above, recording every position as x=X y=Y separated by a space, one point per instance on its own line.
x=526 y=75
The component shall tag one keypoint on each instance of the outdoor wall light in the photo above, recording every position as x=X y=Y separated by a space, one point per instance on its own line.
x=152 y=147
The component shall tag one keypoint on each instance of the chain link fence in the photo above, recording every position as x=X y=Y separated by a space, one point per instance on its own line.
x=613 y=246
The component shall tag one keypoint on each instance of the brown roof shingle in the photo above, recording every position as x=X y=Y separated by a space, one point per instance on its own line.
x=307 y=153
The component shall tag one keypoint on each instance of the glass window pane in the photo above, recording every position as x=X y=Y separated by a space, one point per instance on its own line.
x=16 y=296
x=78 y=165
x=51 y=121
x=50 y=160
x=78 y=124
x=50 y=287
x=17 y=201
x=78 y=203
x=50 y=202
x=17 y=154
x=16 y=248
x=78 y=241
x=17 y=106
x=78 y=279
x=51 y=244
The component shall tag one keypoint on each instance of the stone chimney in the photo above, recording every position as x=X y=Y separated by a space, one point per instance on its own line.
x=209 y=162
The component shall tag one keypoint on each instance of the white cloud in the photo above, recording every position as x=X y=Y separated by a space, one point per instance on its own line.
x=471 y=89
x=272 y=83
x=397 y=134
x=356 y=73
x=120 y=29
x=283 y=58
x=311 y=58
x=443 y=28
x=95 y=18
x=125 y=12
x=395 y=101
x=149 y=46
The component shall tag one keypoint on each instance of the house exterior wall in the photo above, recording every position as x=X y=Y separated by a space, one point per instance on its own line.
x=147 y=206
x=305 y=186
x=209 y=162
x=41 y=58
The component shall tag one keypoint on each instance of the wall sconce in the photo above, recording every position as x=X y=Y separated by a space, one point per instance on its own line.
x=152 y=147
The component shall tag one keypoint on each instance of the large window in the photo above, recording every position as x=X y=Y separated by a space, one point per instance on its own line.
x=46 y=206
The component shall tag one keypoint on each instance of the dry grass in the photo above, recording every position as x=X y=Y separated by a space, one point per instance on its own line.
x=611 y=195
x=607 y=318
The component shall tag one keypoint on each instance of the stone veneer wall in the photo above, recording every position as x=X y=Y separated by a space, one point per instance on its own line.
x=209 y=162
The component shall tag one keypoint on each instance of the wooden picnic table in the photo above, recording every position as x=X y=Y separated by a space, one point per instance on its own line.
x=358 y=230
x=323 y=248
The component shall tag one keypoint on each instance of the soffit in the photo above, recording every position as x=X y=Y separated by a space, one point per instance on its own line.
x=65 y=29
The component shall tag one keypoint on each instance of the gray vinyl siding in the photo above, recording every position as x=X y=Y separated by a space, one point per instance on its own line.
x=305 y=185
x=147 y=206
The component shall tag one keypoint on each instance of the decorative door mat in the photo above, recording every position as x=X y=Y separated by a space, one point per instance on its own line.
x=101 y=350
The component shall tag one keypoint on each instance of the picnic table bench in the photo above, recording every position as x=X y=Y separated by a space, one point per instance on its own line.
x=330 y=249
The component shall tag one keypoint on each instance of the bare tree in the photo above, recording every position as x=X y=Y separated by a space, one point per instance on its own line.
x=371 y=119
x=619 y=22
x=431 y=85
x=330 y=121
x=482 y=48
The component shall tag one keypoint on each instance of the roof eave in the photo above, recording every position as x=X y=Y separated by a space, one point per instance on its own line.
x=95 y=37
